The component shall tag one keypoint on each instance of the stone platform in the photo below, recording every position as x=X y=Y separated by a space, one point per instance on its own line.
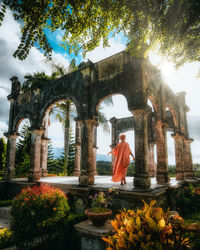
x=128 y=197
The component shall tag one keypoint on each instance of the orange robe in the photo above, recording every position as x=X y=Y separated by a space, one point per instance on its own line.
x=122 y=158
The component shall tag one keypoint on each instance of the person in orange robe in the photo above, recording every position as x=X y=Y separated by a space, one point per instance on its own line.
x=122 y=154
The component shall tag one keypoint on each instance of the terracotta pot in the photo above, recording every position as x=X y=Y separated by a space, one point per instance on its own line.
x=98 y=219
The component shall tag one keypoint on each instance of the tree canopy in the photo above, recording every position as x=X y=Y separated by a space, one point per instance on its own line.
x=171 y=27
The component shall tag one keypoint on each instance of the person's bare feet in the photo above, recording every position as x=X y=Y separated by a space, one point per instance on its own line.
x=122 y=183
x=125 y=182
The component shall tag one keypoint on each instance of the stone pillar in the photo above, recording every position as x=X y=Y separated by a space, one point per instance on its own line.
x=44 y=155
x=11 y=151
x=77 y=164
x=114 y=141
x=87 y=153
x=162 y=175
x=178 y=142
x=151 y=160
x=141 y=179
x=189 y=172
x=35 y=154
x=95 y=150
x=44 y=147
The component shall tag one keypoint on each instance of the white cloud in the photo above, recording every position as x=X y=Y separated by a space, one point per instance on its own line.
x=10 y=66
x=3 y=128
x=56 y=134
x=3 y=93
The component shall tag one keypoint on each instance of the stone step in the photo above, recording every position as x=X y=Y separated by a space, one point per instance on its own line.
x=5 y=212
x=4 y=223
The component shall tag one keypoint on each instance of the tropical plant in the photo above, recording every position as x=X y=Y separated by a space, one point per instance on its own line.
x=2 y=154
x=188 y=201
x=150 y=228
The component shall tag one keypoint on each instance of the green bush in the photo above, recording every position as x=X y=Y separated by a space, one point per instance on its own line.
x=6 y=238
x=5 y=203
x=37 y=209
x=189 y=200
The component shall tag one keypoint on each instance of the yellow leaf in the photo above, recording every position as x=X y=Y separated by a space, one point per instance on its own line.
x=151 y=223
x=108 y=240
x=152 y=203
x=122 y=243
x=138 y=221
x=161 y=224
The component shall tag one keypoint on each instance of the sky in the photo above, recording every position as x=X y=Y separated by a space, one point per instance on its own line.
x=182 y=80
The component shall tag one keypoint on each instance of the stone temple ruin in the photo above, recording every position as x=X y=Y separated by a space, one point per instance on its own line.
x=137 y=80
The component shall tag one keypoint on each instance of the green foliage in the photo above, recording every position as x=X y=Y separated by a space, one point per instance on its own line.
x=104 y=168
x=150 y=228
x=35 y=209
x=50 y=158
x=171 y=26
x=6 y=238
x=5 y=203
x=22 y=160
x=2 y=154
x=189 y=200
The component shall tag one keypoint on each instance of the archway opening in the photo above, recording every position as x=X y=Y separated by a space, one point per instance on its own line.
x=170 y=141
x=23 y=144
x=107 y=138
x=59 y=131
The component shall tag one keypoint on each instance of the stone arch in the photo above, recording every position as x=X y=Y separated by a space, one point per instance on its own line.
x=47 y=106
x=173 y=122
x=17 y=121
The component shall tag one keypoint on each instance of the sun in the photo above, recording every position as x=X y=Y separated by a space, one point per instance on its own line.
x=167 y=68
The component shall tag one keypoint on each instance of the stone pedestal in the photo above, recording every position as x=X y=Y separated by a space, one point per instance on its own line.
x=91 y=236
x=178 y=142
x=11 y=151
x=87 y=152
x=35 y=153
x=142 y=179
x=189 y=173
x=162 y=175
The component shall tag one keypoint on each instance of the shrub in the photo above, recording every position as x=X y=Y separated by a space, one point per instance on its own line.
x=5 y=203
x=150 y=228
x=6 y=238
x=189 y=200
x=36 y=209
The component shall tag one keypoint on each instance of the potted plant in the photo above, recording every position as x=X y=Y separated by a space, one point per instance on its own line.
x=99 y=212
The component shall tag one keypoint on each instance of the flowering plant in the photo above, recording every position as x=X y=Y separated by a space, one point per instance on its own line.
x=101 y=200
x=35 y=207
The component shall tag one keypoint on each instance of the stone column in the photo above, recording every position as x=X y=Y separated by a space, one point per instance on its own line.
x=35 y=154
x=141 y=179
x=44 y=147
x=151 y=160
x=77 y=164
x=178 y=142
x=189 y=172
x=113 y=121
x=87 y=153
x=11 y=151
x=162 y=175
x=95 y=150
x=44 y=155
